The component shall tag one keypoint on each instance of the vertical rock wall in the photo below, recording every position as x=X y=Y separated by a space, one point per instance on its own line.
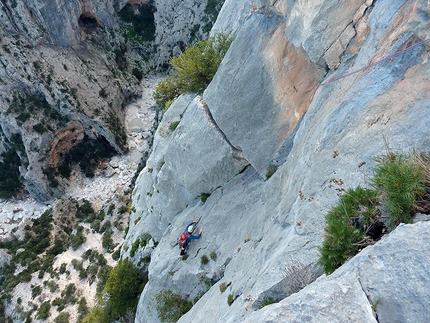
x=257 y=228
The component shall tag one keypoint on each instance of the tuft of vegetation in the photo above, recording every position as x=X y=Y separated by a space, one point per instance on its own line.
x=345 y=222
x=170 y=307
x=124 y=285
x=401 y=181
x=26 y=105
x=35 y=243
x=213 y=255
x=120 y=293
x=134 y=247
x=297 y=276
x=103 y=93
x=63 y=317
x=268 y=301
x=222 y=287
x=204 y=260
x=82 y=309
x=230 y=299
x=194 y=69
x=270 y=170
x=401 y=185
x=173 y=125
x=204 y=197
x=140 y=22
x=10 y=177
x=137 y=73
x=43 y=311
x=10 y=161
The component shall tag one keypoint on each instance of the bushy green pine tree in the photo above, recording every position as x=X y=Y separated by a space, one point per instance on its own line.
x=194 y=69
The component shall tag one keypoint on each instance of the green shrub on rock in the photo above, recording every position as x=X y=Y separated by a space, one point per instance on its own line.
x=124 y=285
x=346 y=225
x=194 y=69
x=401 y=181
x=43 y=311
x=171 y=306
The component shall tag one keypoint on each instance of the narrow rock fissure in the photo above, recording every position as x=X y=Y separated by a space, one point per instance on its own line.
x=373 y=303
x=370 y=8
x=366 y=11
x=215 y=125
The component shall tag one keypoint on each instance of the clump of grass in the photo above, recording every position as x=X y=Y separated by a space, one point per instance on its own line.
x=222 y=287
x=401 y=186
x=270 y=170
x=342 y=232
x=213 y=255
x=401 y=181
x=173 y=125
x=134 y=247
x=204 y=260
x=268 y=301
x=204 y=197
x=171 y=306
x=297 y=276
x=230 y=299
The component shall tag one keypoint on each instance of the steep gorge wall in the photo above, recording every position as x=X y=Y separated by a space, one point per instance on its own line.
x=274 y=91
x=75 y=65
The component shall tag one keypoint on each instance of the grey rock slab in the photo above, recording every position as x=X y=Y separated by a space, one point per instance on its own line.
x=261 y=89
x=282 y=219
x=390 y=276
x=394 y=274
x=187 y=161
x=232 y=16
x=337 y=301
x=317 y=25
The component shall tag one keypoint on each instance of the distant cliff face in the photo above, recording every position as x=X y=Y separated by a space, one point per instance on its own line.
x=67 y=70
x=275 y=101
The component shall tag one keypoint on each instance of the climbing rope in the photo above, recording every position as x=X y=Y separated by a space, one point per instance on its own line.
x=243 y=181
x=376 y=62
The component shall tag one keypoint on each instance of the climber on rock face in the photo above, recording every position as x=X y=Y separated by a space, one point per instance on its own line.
x=187 y=236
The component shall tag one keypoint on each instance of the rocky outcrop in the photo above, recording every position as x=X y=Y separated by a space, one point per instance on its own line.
x=64 y=140
x=384 y=283
x=59 y=23
x=268 y=92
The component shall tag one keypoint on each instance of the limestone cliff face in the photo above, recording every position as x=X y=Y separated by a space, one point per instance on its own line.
x=273 y=99
x=74 y=65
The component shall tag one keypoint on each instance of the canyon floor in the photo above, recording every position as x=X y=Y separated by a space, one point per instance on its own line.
x=107 y=185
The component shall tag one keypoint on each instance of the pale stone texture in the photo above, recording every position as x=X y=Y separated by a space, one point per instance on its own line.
x=232 y=16
x=261 y=89
x=258 y=227
x=190 y=160
x=391 y=276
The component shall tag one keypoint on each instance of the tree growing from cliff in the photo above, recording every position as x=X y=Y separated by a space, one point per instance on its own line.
x=122 y=289
x=170 y=306
x=194 y=69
